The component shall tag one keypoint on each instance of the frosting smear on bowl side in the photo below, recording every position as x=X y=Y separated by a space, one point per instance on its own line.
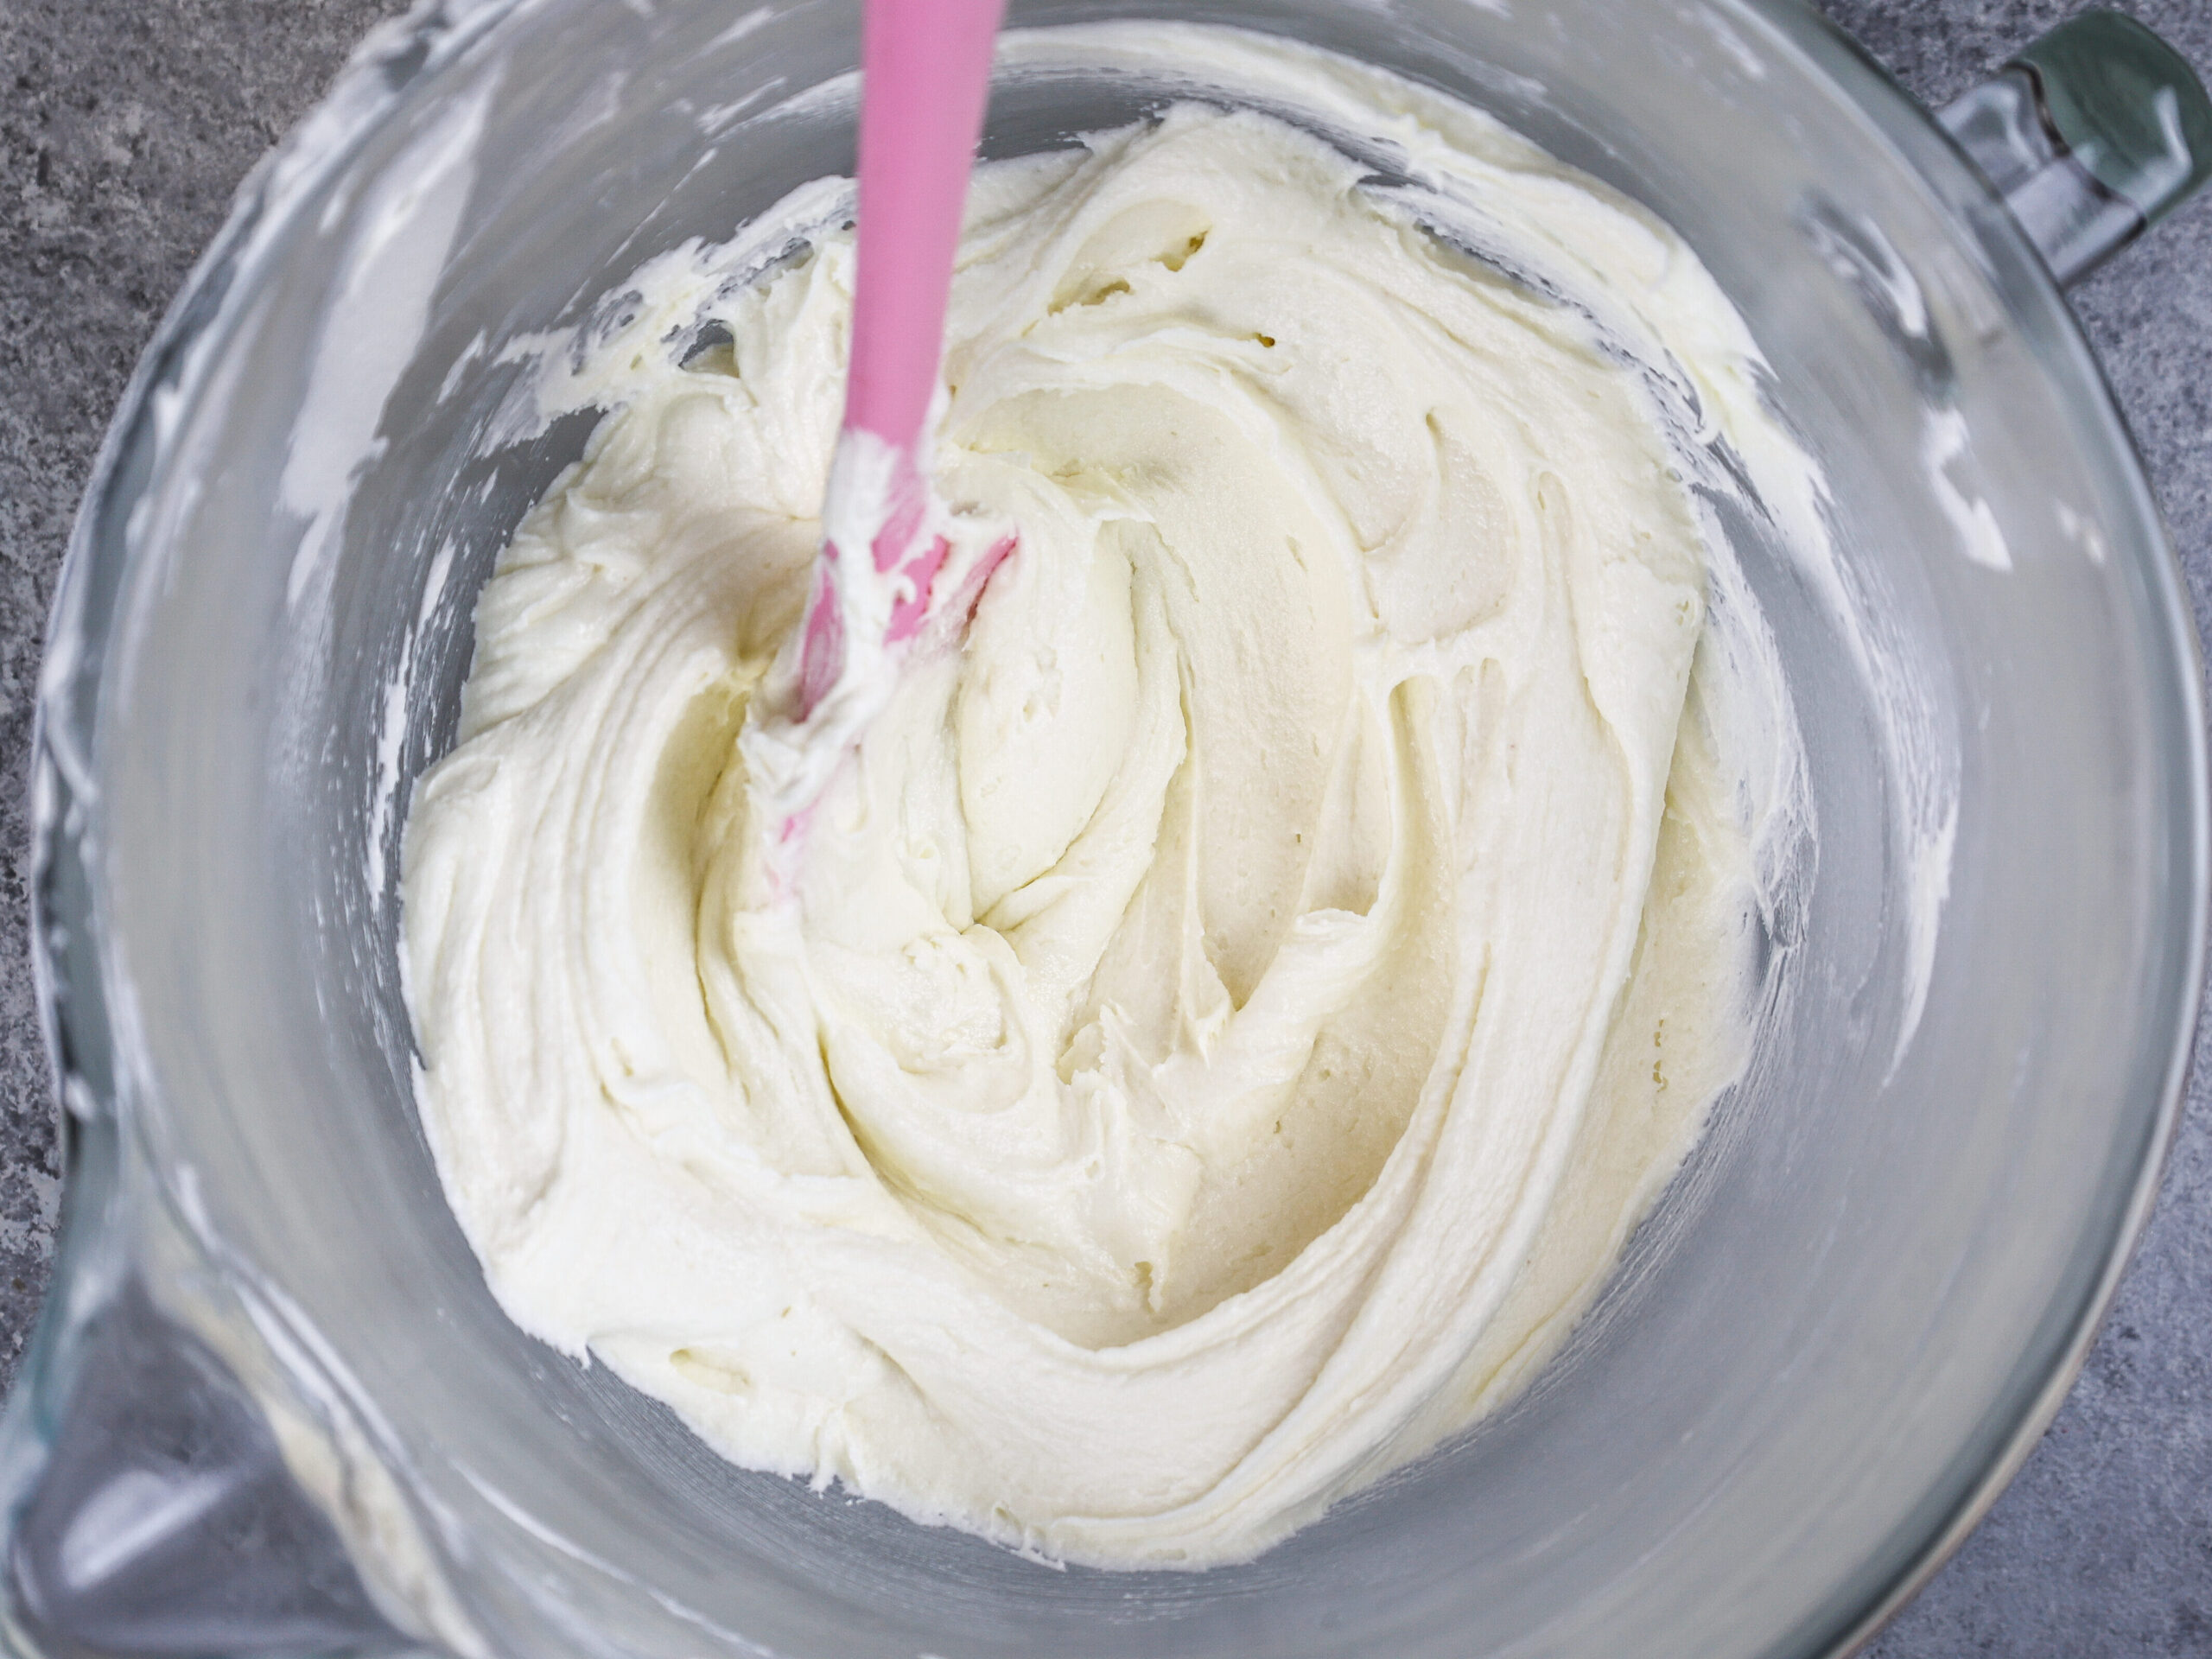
x=1232 y=1007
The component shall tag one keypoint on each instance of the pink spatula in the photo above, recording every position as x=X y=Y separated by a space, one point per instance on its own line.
x=884 y=577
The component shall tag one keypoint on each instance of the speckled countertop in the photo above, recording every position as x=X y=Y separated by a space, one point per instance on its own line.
x=125 y=126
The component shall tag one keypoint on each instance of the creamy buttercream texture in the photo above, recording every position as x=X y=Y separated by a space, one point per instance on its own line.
x=1223 y=1021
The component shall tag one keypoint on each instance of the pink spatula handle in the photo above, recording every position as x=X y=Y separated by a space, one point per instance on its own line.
x=925 y=67
x=925 y=70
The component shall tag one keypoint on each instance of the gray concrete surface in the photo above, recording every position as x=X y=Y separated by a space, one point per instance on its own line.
x=124 y=124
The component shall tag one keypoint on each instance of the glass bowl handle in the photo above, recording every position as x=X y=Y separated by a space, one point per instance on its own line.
x=165 y=1521
x=2091 y=135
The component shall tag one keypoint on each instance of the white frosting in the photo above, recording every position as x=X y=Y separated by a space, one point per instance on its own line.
x=801 y=732
x=1232 y=1010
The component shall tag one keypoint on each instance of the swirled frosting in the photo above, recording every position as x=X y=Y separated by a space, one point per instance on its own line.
x=1233 y=1006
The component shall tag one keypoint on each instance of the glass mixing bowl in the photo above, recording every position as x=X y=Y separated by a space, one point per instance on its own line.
x=272 y=1407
